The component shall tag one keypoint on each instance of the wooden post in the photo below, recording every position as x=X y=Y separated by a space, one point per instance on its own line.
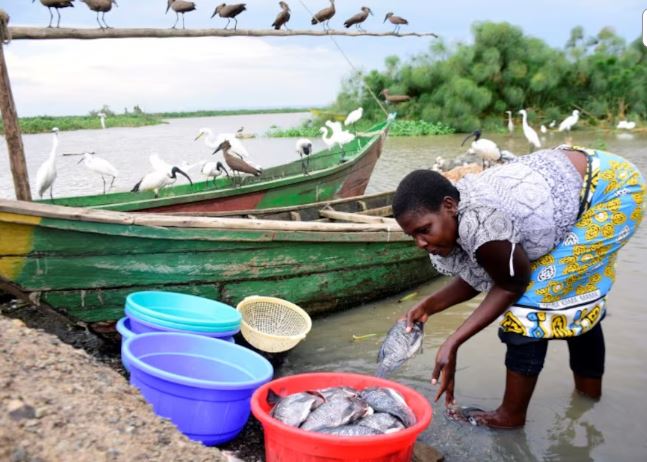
x=10 y=119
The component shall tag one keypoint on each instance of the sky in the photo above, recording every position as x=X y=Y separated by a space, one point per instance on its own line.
x=60 y=77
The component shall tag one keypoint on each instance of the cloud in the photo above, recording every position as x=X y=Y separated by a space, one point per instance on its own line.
x=66 y=77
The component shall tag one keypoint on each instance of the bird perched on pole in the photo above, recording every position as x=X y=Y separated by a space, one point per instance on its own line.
x=46 y=173
x=100 y=166
x=394 y=99
x=570 y=121
x=323 y=16
x=528 y=131
x=101 y=6
x=358 y=19
x=230 y=12
x=304 y=149
x=57 y=5
x=283 y=17
x=180 y=7
x=396 y=20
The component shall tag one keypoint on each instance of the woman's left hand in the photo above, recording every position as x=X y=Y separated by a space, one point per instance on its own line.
x=445 y=369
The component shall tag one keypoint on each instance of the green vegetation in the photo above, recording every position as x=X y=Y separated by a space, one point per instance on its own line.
x=399 y=128
x=471 y=86
x=179 y=115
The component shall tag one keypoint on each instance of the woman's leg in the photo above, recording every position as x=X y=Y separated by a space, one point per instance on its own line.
x=587 y=352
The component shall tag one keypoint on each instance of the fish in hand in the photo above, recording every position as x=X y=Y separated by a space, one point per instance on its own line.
x=398 y=346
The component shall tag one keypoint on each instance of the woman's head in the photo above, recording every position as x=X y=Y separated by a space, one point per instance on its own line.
x=426 y=206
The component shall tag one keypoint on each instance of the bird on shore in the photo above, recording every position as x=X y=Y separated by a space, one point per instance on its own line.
x=528 y=131
x=236 y=161
x=283 y=17
x=485 y=149
x=158 y=179
x=323 y=16
x=395 y=20
x=304 y=149
x=180 y=7
x=569 y=122
x=213 y=170
x=543 y=129
x=102 y=119
x=626 y=125
x=57 y=5
x=394 y=99
x=100 y=166
x=101 y=6
x=46 y=173
x=510 y=122
x=358 y=19
x=230 y=12
x=552 y=124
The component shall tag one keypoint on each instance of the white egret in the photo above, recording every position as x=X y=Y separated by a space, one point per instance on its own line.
x=339 y=136
x=102 y=117
x=213 y=170
x=552 y=124
x=510 y=122
x=213 y=142
x=304 y=148
x=623 y=124
x=100 y=166
x=354 y=116
x=327 y=139
x=158 y=179
x=46 y=173
x=570 y=121
x=485 y=149
x=543 y=129
x=528 y=131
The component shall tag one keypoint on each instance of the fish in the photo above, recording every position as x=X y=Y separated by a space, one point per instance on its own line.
x=398 y=346
x=294 y=409
x=385 y=399
x=382 y=422
x=350 y=430
x=336 y=412
x=335 y=392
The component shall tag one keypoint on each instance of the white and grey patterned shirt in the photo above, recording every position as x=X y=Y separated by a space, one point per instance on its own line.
x=532 y=202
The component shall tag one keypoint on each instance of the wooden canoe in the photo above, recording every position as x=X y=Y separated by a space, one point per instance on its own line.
x=283 y=185
x=84 y=262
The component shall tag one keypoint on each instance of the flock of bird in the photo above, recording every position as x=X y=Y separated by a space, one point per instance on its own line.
x=228 y=12
x=163 y=174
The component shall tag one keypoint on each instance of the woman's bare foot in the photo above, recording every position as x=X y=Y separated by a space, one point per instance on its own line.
x=492 y=419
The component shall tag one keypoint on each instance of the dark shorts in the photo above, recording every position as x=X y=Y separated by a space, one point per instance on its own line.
x=526 y=355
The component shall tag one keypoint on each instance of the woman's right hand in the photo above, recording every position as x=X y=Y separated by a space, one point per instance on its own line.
x=417 y=314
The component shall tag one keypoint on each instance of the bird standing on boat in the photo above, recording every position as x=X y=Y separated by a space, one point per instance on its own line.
x=304 y=149
x=510 y=122
x=158 y=179
x=237 y=162
x=46 y=173
x=339 y=136
x=358 y=19
x=283 y=17
x=323 y=16
x=396 y=20
x=528 y=131
x=213 y=170
x=394 y=99
x=100 y=166
x=230 y=12
x=570 y=121
x=101 y=6
x=57 y=5
x=354 y=116
x=180 y=7
x=486 y=149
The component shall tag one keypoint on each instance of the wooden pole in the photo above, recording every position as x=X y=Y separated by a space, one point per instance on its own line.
x=45 y=33
x=10 y=119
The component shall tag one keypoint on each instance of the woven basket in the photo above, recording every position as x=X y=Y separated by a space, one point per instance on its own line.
x=271 y=324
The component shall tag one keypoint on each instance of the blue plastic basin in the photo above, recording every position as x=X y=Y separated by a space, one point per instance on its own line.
x=202 y=384
x=123 y=327
x=153 y=321
x=183 y=310
x=138 y=326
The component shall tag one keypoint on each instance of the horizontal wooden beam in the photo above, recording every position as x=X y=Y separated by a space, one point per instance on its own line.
x=45 y=33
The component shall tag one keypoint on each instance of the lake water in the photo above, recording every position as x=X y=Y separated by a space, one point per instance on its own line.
x=561 y=425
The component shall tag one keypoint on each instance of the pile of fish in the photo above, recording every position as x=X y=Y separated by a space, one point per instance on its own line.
x=344 y=411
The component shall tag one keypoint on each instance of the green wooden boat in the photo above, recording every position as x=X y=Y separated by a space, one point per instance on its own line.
x=84 y=262
x=284 y=185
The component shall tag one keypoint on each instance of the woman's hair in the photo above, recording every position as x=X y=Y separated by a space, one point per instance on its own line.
x=422 y=189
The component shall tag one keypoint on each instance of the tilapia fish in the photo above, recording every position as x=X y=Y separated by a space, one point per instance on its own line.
x=350 y=430
x=294 y=409
x=383 y=399
x=398 y=346
x=336 y=412
x=382 y=422
x=336 y=392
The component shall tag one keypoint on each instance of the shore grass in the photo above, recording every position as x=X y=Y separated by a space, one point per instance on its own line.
x=399 y=128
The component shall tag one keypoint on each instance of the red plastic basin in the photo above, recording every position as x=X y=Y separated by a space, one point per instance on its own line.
x=284 y=443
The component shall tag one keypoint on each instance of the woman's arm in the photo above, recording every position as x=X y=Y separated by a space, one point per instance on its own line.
x=456 y=291
x=494 y=257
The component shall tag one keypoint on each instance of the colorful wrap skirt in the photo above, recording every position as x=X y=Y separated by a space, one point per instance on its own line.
x=566 y=295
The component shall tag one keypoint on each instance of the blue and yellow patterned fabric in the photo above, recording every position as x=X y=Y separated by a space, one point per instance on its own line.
x=566 y=295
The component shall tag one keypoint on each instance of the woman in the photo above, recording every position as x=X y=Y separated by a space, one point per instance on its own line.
x=540 y=236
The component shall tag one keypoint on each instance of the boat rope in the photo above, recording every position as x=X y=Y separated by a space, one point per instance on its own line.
x=350 y=63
